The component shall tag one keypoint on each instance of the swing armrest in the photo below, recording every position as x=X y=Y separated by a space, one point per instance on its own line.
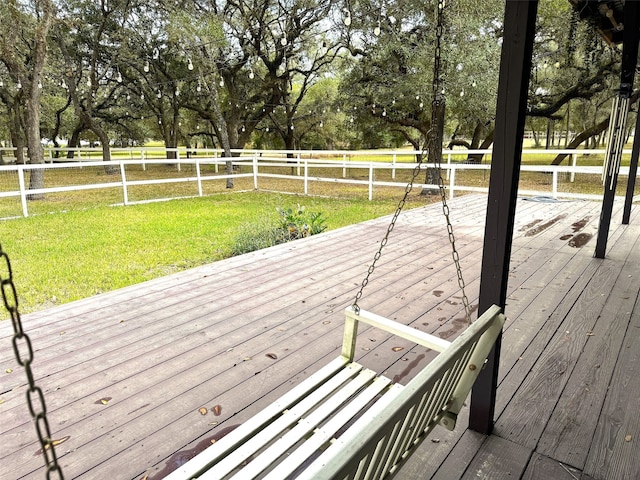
x=403 y=331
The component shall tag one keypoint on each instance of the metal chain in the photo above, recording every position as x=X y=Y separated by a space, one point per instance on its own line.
x=24 y=355
x=438 y=97
x=385 y=239
x=436 y=102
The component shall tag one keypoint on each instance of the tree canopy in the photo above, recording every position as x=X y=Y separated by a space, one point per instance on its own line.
x=286 y=73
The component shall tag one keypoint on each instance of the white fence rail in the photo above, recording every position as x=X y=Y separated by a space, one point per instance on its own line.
x=207 y=166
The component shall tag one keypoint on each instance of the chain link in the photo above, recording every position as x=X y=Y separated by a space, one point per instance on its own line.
x=438 y=100
x=24 y=355
x=385 y=239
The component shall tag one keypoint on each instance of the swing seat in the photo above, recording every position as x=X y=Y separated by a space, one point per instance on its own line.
x=346 y=421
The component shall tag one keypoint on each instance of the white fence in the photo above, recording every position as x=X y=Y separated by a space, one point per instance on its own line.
x=307 y=167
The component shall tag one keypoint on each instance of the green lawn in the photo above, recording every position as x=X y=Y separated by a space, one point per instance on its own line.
x=60 y=257
x=75 y=245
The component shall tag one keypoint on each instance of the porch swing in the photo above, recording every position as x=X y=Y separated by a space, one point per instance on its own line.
x=344 y=421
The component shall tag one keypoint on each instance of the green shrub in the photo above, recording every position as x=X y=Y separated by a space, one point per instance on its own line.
x=256 y=235
x=300 y=223
x=291 y=224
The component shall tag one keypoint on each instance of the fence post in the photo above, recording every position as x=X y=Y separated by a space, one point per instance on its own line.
x=393 y=169
x=215 y=161
x=298 y=162
x=452 y=180
x=255 y=171
x=125 y=194
x=178 y=158
x=306 y=176
x=574 y=162
x=23 y=193
x=142 y=157
x=554 y=187
x=344 y=165
x=370 y=181
x=449 y=164
x=198 y=176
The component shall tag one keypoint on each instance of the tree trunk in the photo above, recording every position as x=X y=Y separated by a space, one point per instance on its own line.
x=32 y=110
x=58 y=126
x=223 y=132
x=36 y=152
x=170 y=143
x=475 y=142
x=566 y=138
x=106 y=148
x=74 y=142
x=583 y=136
x=435 y=140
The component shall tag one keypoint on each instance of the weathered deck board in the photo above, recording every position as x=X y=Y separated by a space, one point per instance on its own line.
x=614 y=449
x=234 y=335
x=544 y=468
x=537 y=395
x=571 y=427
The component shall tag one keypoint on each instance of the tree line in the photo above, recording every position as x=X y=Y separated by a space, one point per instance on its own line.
x=284 y=73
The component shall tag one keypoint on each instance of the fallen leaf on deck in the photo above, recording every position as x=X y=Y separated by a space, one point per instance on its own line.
x=103 y=401
x=397 y=349
x=272 y=356
x=246 y=359
x=8 y=370
x=202 y=410
x=145 y=477
x=326 y=322
x=435 y=440
x=627 y=438
x=55 y=443
x=217 y=410
x=590 y=334
x=213 y=440
x=372 y=339
x=61 y=440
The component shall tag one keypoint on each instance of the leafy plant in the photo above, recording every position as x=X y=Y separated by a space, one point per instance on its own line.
x=291 y=224
x=300 y=223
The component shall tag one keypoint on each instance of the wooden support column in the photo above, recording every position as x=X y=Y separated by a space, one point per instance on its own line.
x=633 y=171
x=513 y=84
x=618 y=122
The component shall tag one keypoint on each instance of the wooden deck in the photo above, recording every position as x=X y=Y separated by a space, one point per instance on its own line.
x=139 y=380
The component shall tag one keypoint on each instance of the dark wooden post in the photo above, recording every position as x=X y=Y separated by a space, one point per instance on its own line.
x=633 y=171
x=618 y=121
x=513 y=84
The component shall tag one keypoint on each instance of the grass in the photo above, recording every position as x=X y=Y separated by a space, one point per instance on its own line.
x=75 y=244
x=67 y=256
